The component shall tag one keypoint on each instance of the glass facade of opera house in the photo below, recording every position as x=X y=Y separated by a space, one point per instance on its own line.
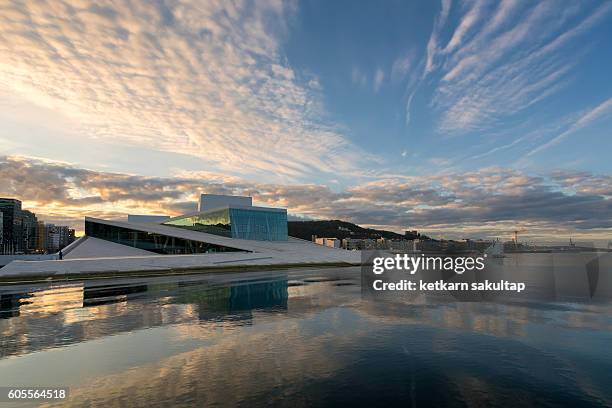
x=158 y=243
x=261 y=224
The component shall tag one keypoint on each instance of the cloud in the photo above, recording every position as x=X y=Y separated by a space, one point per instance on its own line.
x=601 y=110
x=401 y=66
x=584 y=182
x=466 y=23
x=502 y=59
x=488 y=202
x=379 y=77
x=432 y=44
x=205 y=79
x=358 y=77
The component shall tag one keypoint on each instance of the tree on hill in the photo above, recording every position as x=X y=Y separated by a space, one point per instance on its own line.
x=339 y=229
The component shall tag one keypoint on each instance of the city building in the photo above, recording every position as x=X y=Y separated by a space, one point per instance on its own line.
x=396 y=245
x=12 y=233
x=330 y=242
x=52 y=238
x=22 y=233
x=226 y=233
x=403 y=245
x=41 y=237
x=58 y=237
x=28 y=228
x=196 y=233
x=356 y=244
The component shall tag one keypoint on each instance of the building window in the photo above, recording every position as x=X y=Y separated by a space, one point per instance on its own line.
x=258 y=225
x=240 y=223
x=158 y=243
x=215 y=222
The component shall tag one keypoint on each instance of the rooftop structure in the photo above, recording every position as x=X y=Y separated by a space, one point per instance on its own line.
x=213 y=201
x=239 y=222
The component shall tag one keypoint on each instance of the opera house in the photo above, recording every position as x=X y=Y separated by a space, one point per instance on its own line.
x=226 y=231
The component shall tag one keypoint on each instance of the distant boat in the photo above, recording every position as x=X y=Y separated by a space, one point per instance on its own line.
x=496 y=250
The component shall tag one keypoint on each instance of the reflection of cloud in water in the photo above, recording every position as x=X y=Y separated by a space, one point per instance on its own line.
x=488 y=318
x=239 y=363
x=59 y=316
x=296 y=336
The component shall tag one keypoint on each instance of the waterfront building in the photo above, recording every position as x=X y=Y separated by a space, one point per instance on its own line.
x=41 y=237
x=229 y=219
x=226 y=236
x=28 y=228
x=51 y=238
x=22 y=233
x=402 y=245
x=356 y=244
x=360 y=244
x=12 y=234
x=330 y=242
x=58 y=237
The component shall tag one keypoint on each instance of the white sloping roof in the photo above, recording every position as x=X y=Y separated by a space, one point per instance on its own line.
x=156 y=219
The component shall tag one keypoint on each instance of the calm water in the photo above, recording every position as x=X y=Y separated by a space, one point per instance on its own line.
x=298 y=338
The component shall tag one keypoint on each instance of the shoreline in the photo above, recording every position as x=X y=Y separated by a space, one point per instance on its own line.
x=192 y=270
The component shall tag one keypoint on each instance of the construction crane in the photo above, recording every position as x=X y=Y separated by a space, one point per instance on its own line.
x=515 y=239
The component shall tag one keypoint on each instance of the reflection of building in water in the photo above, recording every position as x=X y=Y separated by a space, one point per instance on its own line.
x=39 y=320
x=237 y=301
x=53 y=300
x=98 y=295
x=70 y=314
x=9 y=304
x=37 y=303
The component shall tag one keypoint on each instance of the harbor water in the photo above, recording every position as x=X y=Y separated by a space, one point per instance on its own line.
x=302 y=337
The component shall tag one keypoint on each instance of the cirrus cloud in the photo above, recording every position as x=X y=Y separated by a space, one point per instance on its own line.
x=502 y=58
x=205 y=79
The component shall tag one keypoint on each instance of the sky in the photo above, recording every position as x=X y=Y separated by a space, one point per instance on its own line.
x=459 y=118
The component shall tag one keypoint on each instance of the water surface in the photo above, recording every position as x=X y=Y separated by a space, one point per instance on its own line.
x=297 y=338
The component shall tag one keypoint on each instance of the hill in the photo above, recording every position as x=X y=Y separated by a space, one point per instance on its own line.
x=337 y=229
